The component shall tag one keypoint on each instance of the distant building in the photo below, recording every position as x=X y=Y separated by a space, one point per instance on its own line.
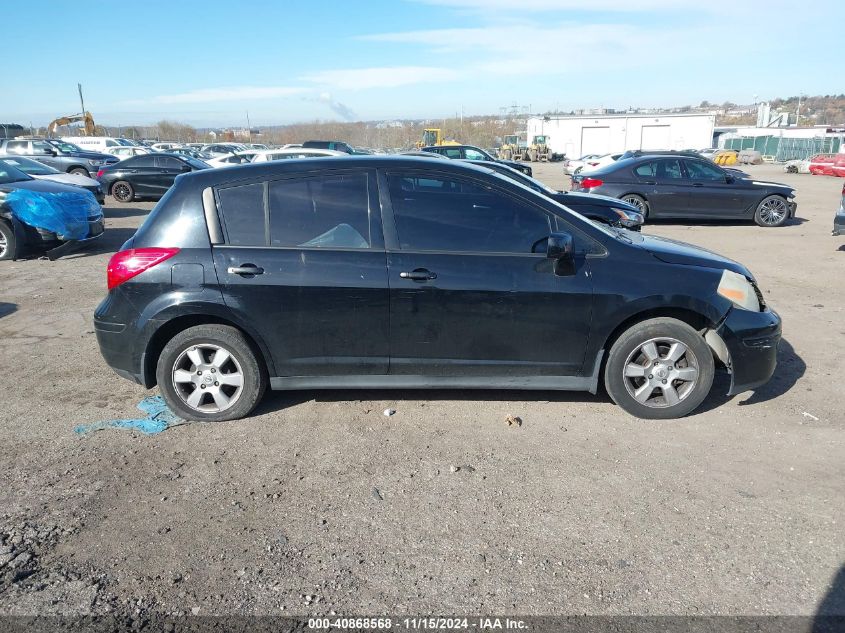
x=576 y=136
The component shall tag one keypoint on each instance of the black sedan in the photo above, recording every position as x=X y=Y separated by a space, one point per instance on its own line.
x=19 y=234
x=146 y=176
x=662 y=186
x=602 y=209
x=470 y=152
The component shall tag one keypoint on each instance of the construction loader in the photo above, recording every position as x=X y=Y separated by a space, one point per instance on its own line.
x=539 y=150
x=433 y=136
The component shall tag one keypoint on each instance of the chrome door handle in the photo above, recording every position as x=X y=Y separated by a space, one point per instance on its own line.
x=246 y=269
x=420 y=274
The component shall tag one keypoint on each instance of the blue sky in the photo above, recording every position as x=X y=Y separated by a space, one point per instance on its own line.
x=208 y=62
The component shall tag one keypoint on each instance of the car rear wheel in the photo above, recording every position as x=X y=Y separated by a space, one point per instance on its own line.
x=79 y=171
x=772 y=211
x=7 y=242
x=659 y=369
x=638 y=201
x=210 y=373
x=123 y=191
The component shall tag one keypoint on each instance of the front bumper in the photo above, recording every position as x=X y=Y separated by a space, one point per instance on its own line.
x=752 y=340
x=793 y=207
x=839 y=221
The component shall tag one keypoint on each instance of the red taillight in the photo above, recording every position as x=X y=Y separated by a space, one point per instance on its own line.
x=589 y=183
x=100 y=174
x=126 y=264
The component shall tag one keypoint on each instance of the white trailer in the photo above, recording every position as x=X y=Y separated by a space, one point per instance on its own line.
x=576 y=136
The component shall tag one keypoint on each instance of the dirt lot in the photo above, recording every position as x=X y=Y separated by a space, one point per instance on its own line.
x=320 y=503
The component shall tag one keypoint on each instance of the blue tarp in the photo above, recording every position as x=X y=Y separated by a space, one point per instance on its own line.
x=65 y=214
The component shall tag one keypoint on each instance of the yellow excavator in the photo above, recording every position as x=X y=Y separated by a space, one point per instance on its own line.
x=85 y=117
x=433 y=136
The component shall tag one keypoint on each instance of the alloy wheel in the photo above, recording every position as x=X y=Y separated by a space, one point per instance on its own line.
x=207 y=378
x=773 y=211
x=635 y=201
x=122 y=192
x=4 y=245
x=661 y=372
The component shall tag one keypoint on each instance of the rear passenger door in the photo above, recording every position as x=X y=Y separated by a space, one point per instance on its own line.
x=142 y=172
x=304 y=262
x=167 y=168
x=670 y=194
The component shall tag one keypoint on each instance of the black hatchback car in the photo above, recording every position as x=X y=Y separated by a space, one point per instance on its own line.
x=379 y=272
x=683 y=186
x=145 y=176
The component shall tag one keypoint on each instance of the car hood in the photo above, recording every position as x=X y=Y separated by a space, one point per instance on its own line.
x=674 y=252
x=592 y=198
x=43 y=186
x=93 y=156
x=748 y=181
x=69 y=179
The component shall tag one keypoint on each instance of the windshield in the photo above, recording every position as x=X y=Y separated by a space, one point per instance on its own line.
x=9 y=174
x=64 y=145
x=28 y=166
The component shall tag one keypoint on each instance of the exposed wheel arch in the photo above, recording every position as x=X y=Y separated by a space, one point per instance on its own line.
x=172 y=327
x=694 y=319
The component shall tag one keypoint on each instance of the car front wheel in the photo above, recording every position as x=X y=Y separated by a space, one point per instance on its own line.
x=210 y=373
x=772 y=211
x=659 y=369
x=7 y=241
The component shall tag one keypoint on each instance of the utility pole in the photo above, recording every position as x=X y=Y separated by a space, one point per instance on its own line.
x=81 y=100
x=798 y=112
x=248 y=128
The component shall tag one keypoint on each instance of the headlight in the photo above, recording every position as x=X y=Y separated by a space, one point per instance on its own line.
x=628 y=219
x=738 y=290
x=95 y=163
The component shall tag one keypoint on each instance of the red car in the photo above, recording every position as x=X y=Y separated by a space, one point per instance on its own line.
x=828 y=165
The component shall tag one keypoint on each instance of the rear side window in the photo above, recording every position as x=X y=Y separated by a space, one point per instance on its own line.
x=243 y=214
x=646 y=170
x=17 y=147
x=320 y=212
x=145 y=160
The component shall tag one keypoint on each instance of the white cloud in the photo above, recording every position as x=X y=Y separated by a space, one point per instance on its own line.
x=383 y=77
x=216 y=95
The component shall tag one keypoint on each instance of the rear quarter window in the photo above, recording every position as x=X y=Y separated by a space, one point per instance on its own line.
x=244 y=219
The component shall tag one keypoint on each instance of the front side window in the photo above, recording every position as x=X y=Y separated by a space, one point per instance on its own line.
x=474 y=154
x=443 y=213
x=450 y=152
x=329 y=211
x=703 y=171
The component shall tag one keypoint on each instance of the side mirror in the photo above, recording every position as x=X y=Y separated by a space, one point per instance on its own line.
x=559 y=246
x=185 y=168
x=729 y=179
x=48 y=152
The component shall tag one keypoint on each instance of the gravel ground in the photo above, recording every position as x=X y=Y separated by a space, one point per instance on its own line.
x=320 y=503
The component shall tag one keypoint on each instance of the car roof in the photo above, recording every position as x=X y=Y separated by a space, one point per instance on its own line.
x=210 y=178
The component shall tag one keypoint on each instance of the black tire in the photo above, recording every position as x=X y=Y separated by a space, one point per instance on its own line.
x=772 y=211
x=243 y=357
x=627 y=353
x=122 y=191
x=79 y=171
x=8 y=245
x=638 y=201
